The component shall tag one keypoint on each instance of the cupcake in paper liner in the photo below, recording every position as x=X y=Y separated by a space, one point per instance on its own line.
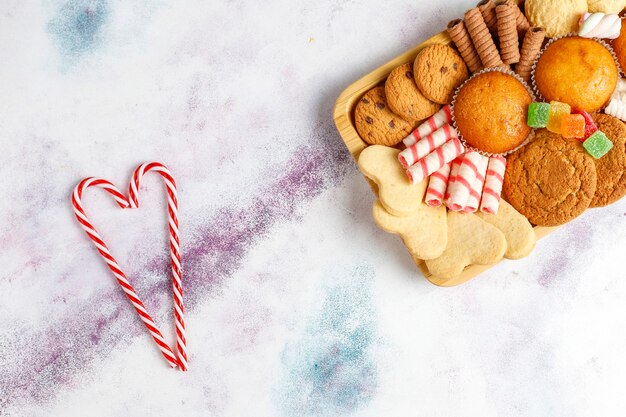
x=489 y=112
x=619 y=47
x=581 y=72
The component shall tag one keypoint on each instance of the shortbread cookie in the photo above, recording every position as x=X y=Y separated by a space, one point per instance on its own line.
x=518 y=232
x=396 y=193
x=611 y=168
x=606 y=6
x=376 y=123
x=551 y=180
x=471 y=241
x=557 y=17
x=405 y=99
x=438 y=71
x=424 y=233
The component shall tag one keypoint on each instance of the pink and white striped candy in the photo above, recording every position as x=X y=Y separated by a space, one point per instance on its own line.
x=600 y=25
x=437 y=184
x=473 y=202
x=454 y=171
x=493 y=185
x=468 y=171
x=434 y=122
x=132 y=201
x=426 y=145
x=435 y=160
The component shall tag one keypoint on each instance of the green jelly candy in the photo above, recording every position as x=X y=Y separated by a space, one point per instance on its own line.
x=538 y=114
x=597 y=145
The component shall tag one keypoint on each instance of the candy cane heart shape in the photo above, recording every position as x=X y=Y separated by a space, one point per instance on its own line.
x=132 y=201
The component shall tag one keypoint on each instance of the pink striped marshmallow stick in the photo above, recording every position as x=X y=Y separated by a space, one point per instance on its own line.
x=493 y=185
x=437 y=185
x=435 y=160
x=434 y=122
x=454 y=171
x=473 y=202
x=426 y=145
x=468 y=171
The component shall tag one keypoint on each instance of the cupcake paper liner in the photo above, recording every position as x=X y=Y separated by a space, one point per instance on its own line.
x=467 y=146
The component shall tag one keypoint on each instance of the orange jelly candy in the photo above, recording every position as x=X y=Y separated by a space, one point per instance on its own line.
x=572 y=126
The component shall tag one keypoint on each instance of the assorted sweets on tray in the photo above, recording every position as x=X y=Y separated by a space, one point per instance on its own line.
x=517 y=123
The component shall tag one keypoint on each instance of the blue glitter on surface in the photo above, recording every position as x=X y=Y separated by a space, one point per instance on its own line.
x=330 y=370
x=77 y=26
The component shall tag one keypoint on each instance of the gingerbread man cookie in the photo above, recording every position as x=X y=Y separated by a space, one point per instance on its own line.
x=471 y=241
x=396 y=193
x=424 y=233
x=518 y=232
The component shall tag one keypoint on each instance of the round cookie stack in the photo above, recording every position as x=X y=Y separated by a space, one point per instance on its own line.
x=412 y=93
x=405 y=99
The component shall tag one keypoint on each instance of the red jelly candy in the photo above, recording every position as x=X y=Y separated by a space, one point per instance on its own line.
x=590 y=126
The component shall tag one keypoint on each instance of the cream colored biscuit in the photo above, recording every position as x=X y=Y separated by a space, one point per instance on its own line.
x=518 y=232
x=557 y=17
x=606 y=6
x=424 y=232
x=471 y=241
x=395 y=191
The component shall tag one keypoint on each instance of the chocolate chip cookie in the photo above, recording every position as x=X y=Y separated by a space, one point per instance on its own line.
x=611 y=168
x=376 y=123
x=551 y=180
x=438 y=71
x=405 y=99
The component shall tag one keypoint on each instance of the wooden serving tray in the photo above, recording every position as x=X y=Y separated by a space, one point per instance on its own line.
x=344 y=120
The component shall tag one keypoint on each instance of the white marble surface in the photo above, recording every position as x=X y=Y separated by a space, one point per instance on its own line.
x=297 y=304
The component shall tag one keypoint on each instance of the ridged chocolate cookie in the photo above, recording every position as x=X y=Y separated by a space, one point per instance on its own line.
x=611 y=168
x=438 y=71
x=376 y=123
x=405 y=99
x=551 y=180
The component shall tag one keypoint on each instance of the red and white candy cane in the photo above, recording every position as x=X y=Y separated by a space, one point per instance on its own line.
x=172 y=209
x=473 y=202
x=133 y=202
x=434 y=122
x=435 y=160
x=493 y=185
x=468 y=171
x=426 y=145
x=437 y=184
